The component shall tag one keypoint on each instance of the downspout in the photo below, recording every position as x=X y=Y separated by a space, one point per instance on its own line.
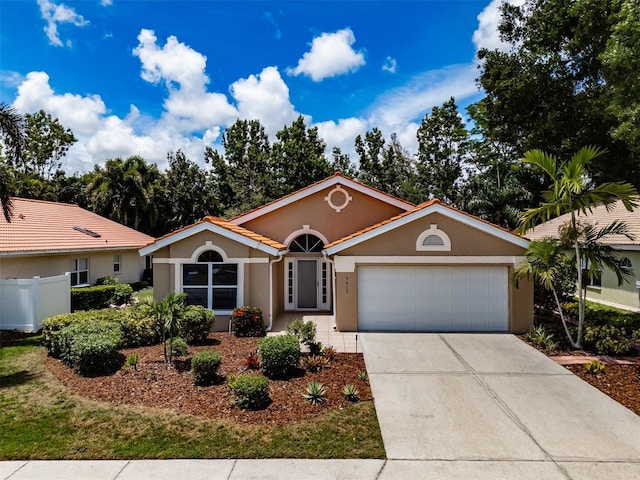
x=271 y=263
x=334 y=295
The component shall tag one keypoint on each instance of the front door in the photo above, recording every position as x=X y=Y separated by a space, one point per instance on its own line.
x=307 y=284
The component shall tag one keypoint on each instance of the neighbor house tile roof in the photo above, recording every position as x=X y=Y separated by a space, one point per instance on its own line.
x=221 y=222
x=48 y=227
x=599 y=216
x=418 y=208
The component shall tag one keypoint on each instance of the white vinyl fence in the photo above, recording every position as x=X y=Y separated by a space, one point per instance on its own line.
x=24 y=303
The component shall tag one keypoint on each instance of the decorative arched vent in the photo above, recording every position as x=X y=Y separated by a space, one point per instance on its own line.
x=306 y=243
x=433 y=240
x=210 y=256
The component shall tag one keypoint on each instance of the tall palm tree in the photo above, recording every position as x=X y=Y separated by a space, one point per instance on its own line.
x=13 y=139
x=571 y=192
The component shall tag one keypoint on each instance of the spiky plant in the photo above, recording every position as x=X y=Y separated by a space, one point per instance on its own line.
x=350 y=392
x=316 y=393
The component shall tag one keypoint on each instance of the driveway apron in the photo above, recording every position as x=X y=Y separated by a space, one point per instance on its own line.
x=492 y=405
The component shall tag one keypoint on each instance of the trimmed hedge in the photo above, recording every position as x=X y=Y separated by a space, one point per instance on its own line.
x=137 y=328
x=606 y=339
x=204 y=367
x=178 y=346
x=279 y=355
x=100 y=296
x=600 y=315
x=251 y=391
x=91 y=348
x=108 y=280
x=195 y=324
x=247 y=322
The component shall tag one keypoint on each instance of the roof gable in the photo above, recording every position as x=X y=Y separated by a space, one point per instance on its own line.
x=422 y=210
x=221 y=227
x=41 y=227
x=335 y=179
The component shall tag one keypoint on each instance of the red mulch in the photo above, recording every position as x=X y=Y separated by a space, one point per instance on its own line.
x=620 y=382
x=156 y=384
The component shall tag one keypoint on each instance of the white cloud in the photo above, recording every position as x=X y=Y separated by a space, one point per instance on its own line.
x=264 y=97
x=56 y=14
x=342 y=133
x=106 y=3
x=330 y=55
x=390 y=65
x=487 y=35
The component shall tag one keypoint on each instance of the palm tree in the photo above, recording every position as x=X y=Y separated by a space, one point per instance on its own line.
x=571 y=192
x=12 y=134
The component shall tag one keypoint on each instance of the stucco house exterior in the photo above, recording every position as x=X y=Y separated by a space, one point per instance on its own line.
x=340 y=247
x=605 y=289
x=50 y=238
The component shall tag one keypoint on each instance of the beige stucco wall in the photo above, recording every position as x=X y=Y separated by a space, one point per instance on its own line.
x=363 y=211
x=465 y=241
x=100 y=265
x=625 y=295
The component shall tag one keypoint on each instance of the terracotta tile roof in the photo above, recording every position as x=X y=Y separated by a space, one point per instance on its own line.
x=419 y=207
x=47 y=227
x=221 y=222
x=599 y=216
x=309 y=187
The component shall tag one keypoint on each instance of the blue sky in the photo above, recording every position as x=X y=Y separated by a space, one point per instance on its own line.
x=148 y=77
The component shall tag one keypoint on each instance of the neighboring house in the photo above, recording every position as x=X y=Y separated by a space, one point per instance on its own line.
x=604 y=288
x=341 y=247
x=50 y=238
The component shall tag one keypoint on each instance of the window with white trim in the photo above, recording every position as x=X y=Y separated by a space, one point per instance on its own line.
x=590 y=279
x=79 y=270
x=211 y=282
x=433 y=240
x=116 y=263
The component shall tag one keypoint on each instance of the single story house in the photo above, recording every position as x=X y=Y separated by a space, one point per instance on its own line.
x=48 y=247
x=341 y=247
x=604 y=289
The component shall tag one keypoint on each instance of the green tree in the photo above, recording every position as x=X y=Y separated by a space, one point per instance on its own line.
x=126 y=191
x=443 y=143
x=246 y=166
x=341 y=162
x=550 y=90
x=12 y=136
x=47 y=143
x=298 y=156
x=571 y=193
x=188 y=196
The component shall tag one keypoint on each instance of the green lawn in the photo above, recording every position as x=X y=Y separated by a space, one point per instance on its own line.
x=146 y=294
x=41 y=419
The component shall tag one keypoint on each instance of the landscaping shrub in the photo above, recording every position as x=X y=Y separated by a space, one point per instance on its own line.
x=108 y=280
x=91 y=348
x=594 y=367
x=305 y=332
x=279 y=355
x=606 y=339
x=251 y=391
x=177 y=346
x=540 y=337
x=138 y=328
x=247 y=322
x=91 y=298
x=122 y=293
x=196 y=324
x=137 y=286
x=635 y=336
x=204 y=367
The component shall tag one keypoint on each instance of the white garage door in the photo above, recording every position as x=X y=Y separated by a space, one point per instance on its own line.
x=433 y=298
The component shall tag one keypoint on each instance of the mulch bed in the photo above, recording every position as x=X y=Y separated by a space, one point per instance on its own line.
x=156 y=384
x=620 y=382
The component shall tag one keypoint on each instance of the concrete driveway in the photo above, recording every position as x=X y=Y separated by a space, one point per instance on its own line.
x=489 y=406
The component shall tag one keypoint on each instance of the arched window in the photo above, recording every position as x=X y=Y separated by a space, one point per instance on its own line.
x=306 y=243
x=210 y=282
x=434 y=240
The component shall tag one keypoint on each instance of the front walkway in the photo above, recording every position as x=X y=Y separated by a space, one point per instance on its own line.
x=344 y=342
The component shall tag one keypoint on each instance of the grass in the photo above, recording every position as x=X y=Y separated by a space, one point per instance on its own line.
x=144 y=295
x=41 y=419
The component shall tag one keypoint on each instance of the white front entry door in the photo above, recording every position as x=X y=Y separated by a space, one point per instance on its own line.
x=435 y=299
x=307 y=284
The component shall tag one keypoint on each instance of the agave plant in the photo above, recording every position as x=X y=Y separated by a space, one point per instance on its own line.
x=362 y=376
x=316 y=393
x=350 y=392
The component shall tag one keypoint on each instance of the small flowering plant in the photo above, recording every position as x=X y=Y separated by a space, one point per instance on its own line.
x=247 y=322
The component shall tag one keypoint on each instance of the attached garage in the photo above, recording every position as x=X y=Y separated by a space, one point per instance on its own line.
x=429 y=298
